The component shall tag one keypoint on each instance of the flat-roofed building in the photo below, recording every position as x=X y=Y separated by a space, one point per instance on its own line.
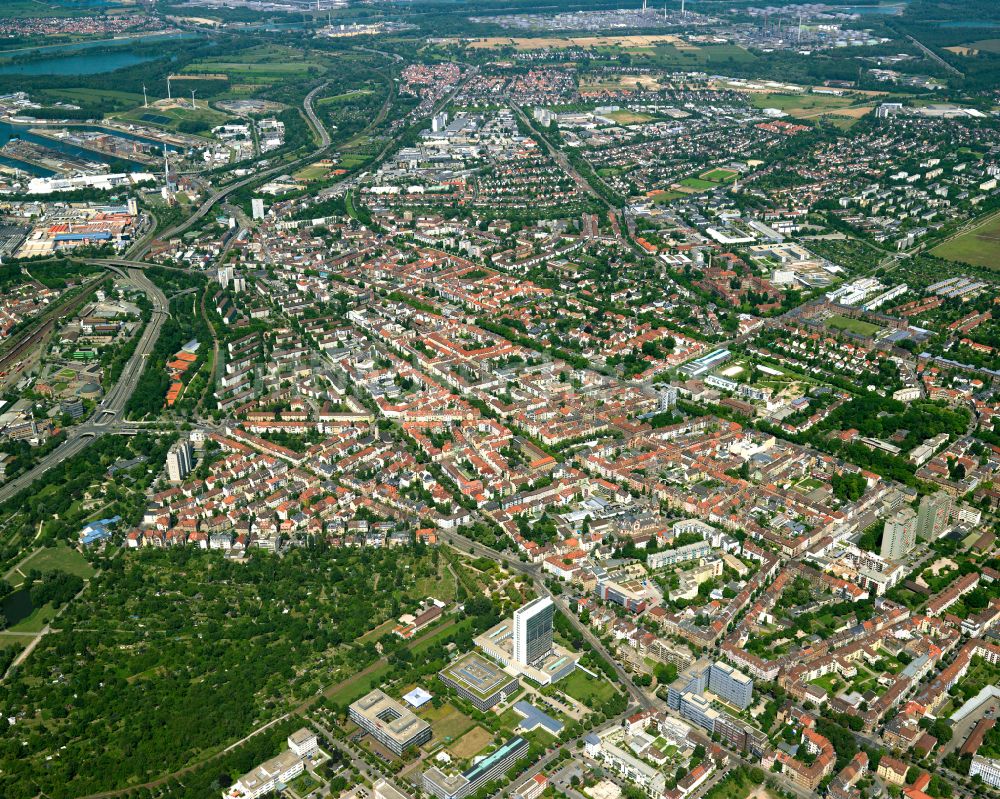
x=498 y=643
x=731 y=685
x=458 y=786
x=390 y=723
x=480 y=682
x=303 y=743
x=533 y=631
x=268 y=777
x=383 y=789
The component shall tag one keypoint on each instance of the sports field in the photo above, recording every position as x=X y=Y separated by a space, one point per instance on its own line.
x=624 y=117
x=720 y=175
x=979 y=246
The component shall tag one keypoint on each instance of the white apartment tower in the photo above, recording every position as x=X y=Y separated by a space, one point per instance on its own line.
x=180 y=460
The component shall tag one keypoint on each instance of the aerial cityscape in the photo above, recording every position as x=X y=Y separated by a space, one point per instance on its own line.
x=462 y=398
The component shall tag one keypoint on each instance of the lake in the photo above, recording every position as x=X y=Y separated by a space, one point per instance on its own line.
x=869 y=11
x=75 y=64
x=75 y=47
x=17 y=606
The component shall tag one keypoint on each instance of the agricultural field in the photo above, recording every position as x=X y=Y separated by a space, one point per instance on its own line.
x=973 y=49
x=979 y=246
x=842 y=111
x=616 y=82
x=669 y=56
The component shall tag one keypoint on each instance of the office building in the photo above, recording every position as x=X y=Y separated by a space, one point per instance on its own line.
x=987 y=768
x=696 y=708
x=269 y=777
x=626 y=595
x=180 y=460
x=532 y=788
x=741 y=736
x=303 y=743
x=498 y=643
x=533 y=631
x=491 y=767
x=480 y=682
x=257 y=208
x=730 y=685
x=899 y=535
x=388 y=722
x=933 y=516
x=383 y=789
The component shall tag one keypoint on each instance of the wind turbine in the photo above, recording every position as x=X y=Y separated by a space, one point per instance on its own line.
x=168 y=88
x=145 y=102
x=193 y=106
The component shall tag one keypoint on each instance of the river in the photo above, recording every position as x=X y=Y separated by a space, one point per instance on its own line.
x=10 y=131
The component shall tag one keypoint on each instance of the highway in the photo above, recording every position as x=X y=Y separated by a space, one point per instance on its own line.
x=224 y=192
x=106 y=418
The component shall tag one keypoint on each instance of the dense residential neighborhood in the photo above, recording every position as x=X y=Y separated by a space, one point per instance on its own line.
x=489 y=400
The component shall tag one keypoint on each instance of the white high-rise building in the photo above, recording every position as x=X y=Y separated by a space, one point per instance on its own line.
x=180 y=460
x=900 y=534
x=257 y=208
x=533 y=631
x=934 y=515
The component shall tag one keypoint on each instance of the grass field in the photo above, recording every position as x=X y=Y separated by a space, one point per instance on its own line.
x=858 y=326
x=720 y=175
x=698 y=183
x=48 y=559
x=628 y=117
x=839 y=110
x=449 y=723
x=664 y=197
x=36 y=621
x=979 y=246
x=584 y=688
x=172 y=116
x=19 y=641
x=311 y=172
x=472 y=743
x=668 y=56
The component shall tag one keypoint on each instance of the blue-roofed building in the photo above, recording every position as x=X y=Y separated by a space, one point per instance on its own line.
x=97 y=531
x=100 y=235
x=533 y=717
